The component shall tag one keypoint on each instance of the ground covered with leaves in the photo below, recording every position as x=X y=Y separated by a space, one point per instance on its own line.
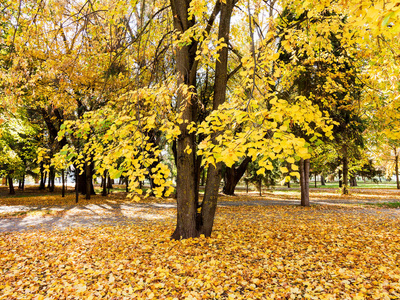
x=256 y=252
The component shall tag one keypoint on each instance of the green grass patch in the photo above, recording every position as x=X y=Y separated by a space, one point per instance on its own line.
x=386 y=204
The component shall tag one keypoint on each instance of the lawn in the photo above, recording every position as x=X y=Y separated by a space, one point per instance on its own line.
x=261 y=251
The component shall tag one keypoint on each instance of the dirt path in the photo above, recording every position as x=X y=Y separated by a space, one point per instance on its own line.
x=21 y=218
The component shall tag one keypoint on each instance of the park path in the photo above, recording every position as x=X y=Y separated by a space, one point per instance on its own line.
x=21 y=218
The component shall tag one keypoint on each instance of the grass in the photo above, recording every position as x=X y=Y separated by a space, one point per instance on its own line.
x=386 y=204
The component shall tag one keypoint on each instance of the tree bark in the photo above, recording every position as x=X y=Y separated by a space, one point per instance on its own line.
x=89 y=183
x=109 y=183
x=233 y=175
x=11 y=185
x=322 y=179
x=353 y=181
x=76 y=185
x=397 y=168
x=85 y=182
x=189 y=223
x=305 y=182
x=345 y=190
x=52 y=175
x=185 y=162
x=104 y=184
x=209 y=204
x=63 y=183
x=42 y=184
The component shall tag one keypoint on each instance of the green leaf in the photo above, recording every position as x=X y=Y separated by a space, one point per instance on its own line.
x=387 y=18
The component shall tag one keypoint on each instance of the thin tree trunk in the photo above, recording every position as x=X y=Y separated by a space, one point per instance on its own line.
x=76 y=185
x=315 y=179
x=340 y=178
x=203 y=177
x=88 y=168
x=109 y=184
x=397 y=168
x=345 y=190
x=63 y=183
x=305 y=182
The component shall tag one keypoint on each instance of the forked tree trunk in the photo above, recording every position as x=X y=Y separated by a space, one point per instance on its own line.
x=233 y=175
x=189 y=224
x=11 y=185
x=305 y=182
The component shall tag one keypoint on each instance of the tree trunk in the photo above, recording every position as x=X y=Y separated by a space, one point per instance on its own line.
x=233 y=175
x=322 y=179
x=353 y=181
x=76 y=185
x=104 y=184
x=89 y=183
x=315 y=179
x=109 y=183
x=345 y=190
x=11 y=185
x=209 y=204
x=52 y=177
x=203 y=177
x=397 y=168
x=63 y=183
x=340 y=178
x=189 y=224
x=305 y=182
x=42 y=184
x=85 y=182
